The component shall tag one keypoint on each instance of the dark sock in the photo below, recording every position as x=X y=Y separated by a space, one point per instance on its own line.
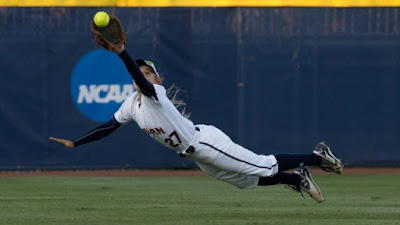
x=280 y=178
x=292 y=161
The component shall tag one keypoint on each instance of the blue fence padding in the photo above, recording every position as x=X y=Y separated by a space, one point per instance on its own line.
x=274 y=79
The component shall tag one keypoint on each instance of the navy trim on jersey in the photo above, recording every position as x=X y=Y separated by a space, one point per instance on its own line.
x=99 y=132
x=230 y=156
x=145 y=86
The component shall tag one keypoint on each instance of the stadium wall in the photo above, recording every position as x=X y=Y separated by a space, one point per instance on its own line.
x=275 y=79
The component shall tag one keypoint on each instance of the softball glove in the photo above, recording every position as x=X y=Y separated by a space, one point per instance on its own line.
x=111 y=37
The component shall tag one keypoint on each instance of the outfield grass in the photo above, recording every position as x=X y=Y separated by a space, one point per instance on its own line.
x=356 y=199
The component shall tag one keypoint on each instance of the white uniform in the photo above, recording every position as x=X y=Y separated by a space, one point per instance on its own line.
x=215 y=153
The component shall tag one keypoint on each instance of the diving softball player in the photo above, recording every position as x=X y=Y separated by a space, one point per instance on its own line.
x=210 y=148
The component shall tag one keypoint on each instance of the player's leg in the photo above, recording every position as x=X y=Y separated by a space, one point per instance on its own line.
x=216 y=149
x=293 y=161
x=242 y=181
x=298 y=181
x=321 y=156
x=246 y=181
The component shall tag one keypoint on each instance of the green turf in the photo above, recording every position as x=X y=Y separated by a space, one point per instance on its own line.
x=373 y=199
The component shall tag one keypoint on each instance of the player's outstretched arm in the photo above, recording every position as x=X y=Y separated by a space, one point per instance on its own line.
x=97 y=133
x=145 y=86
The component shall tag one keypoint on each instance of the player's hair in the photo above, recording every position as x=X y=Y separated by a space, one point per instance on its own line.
x=173 y=94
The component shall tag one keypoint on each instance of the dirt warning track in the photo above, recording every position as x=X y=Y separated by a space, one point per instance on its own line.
x=44 y=173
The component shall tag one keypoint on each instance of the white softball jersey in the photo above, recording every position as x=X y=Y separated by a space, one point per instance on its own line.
x=214 y=152
x=158 y=118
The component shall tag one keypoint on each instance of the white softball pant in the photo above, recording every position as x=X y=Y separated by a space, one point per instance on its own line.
x=218 y=156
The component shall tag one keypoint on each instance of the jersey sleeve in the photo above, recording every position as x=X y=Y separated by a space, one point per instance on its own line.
x=161 y=94
x=160 y=90
x=124 y=113
x=97 y=133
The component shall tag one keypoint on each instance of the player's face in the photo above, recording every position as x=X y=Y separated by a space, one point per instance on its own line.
x=149 y=75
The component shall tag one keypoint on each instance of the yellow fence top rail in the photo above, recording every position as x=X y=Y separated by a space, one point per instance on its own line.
x=200 y=3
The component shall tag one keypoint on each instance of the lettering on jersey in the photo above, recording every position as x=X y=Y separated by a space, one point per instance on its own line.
x=160 y=130
x=154 y=131
x=104 y=93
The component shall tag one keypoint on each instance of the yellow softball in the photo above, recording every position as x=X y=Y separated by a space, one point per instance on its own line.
x=101 y=19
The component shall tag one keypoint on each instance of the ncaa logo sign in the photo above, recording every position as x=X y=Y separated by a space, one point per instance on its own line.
x=99 y=84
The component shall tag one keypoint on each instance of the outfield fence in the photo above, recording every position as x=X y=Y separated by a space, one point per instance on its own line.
x=275 y=79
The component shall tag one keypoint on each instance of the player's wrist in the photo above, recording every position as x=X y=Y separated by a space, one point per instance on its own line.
x=71 y=145
x=121 y=49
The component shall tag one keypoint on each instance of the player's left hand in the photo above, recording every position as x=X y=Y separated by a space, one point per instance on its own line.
x=66 y=143
x=111 y=37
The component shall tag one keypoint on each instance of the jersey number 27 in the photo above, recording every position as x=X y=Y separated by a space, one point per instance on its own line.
x=171 y=142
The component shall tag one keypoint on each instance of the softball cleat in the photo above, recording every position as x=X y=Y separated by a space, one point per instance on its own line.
x=329 y=162
x=307 y=185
